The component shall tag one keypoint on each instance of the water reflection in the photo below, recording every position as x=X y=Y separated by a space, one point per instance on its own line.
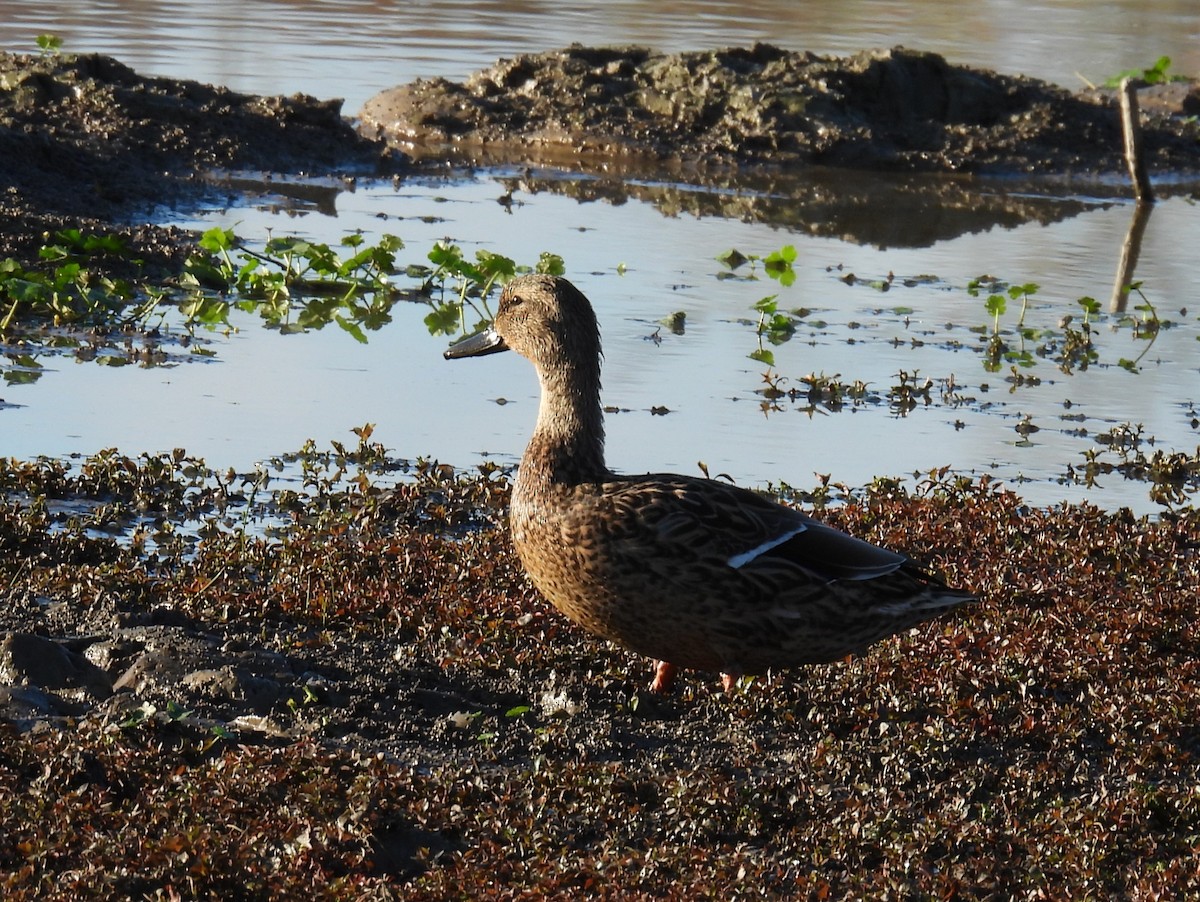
x=1131 y=249
x=861 y=207
x=915 y=344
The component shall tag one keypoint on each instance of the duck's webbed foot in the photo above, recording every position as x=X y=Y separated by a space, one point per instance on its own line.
x=664 y=676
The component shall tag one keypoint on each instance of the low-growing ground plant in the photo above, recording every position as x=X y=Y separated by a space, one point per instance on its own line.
x=452 y=736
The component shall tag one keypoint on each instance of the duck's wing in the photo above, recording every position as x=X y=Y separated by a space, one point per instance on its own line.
x=730 y=527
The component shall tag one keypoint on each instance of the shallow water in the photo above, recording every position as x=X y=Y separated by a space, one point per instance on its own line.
x=267 y=393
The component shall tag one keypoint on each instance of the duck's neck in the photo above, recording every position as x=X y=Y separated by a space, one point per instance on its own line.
x=567 y=446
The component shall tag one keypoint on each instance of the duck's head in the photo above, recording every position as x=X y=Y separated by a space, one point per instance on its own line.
x=544 y=318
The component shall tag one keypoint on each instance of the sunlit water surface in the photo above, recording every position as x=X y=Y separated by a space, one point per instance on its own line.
x=266 y=393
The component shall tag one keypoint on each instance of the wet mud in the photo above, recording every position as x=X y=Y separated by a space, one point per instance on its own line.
x=890 y=110
x=86 y=142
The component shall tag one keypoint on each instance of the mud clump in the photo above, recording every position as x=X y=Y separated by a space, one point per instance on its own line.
x=896 y=109
x=84 y=139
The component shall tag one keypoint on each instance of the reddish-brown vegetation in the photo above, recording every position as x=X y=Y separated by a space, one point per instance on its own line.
x=1044 y=743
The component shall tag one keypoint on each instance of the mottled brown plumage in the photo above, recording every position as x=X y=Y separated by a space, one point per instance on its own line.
x=689 y=571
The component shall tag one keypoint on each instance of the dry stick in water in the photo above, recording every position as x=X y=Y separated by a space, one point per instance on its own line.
x=1131 y=130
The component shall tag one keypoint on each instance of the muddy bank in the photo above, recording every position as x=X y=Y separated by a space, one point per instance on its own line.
x=86 y=142
x=894 y=110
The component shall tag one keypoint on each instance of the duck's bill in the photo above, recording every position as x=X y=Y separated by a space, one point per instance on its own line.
x=485 y=342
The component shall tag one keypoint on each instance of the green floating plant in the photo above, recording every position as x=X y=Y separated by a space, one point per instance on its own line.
x=70 y=291
x=468 y=284
x=778 y=264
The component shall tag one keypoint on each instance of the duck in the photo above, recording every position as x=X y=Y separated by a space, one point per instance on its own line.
x=688 y=571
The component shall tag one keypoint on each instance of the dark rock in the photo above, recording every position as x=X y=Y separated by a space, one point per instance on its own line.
x=28 y=660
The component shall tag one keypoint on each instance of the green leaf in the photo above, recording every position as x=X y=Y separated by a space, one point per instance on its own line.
x=217 y=239
x=287 y=244
x=778 y=265
x=204 y=309
x=353 y=328
x=1157 y=74
x=176 y=711
x=53 y=252
x=104 y=244
x=495 y=267
x=443 y=320
x=445 y=254
x=552 y=264
x=763 y=355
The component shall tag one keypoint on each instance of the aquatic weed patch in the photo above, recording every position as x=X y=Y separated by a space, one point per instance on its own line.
x=71 y=304
x=1032 y=351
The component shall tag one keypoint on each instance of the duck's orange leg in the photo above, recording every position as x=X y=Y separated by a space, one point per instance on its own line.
x=664 y=676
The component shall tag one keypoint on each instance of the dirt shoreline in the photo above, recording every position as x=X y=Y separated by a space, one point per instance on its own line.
x=87 y=142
